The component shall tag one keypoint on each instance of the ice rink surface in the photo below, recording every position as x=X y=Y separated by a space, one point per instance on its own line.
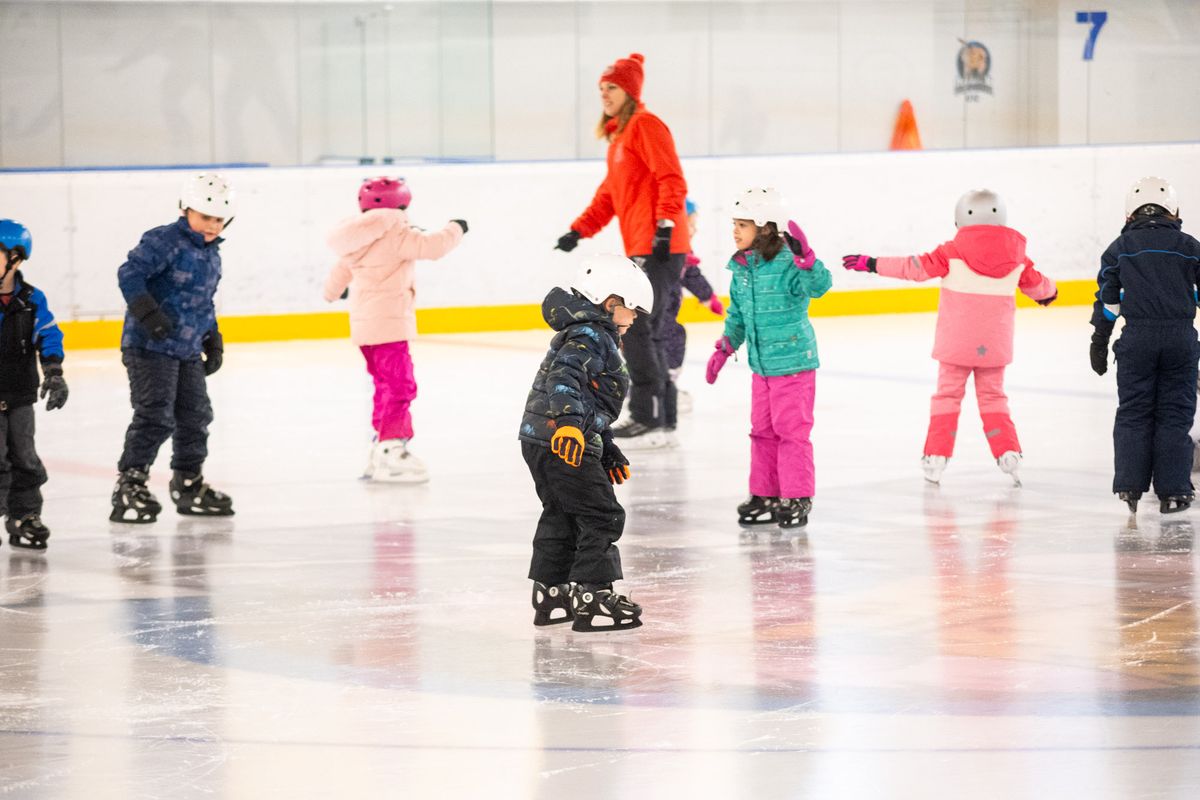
x=343 y=639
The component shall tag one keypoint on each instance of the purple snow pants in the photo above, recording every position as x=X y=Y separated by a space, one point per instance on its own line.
x=395 y=388
x=781 y=420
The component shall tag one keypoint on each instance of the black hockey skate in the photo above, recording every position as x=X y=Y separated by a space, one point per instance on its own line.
x=27 y=532
x=549 y=601
x=1174 y=503
x=131 y=501
x=758 y=511
x=1130 y=499
x=193 y=497
x=599 y=608
x=793 y=511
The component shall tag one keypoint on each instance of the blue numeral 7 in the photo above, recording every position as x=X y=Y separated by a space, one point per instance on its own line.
x=1097 y=20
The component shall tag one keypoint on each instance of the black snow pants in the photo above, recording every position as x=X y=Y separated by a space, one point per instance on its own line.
x=1156 y=391
x=21 y=471
x=170 y=401
x=645 y=346
x=581 y=520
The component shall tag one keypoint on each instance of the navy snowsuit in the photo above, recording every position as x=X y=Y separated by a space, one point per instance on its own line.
x=1149 y=276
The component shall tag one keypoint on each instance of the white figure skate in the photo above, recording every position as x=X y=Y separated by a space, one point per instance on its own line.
x=395 y=464
x=934 y=466
x=1009 y=463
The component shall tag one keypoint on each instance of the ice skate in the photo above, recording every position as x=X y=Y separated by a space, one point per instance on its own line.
x=396 y=465
x=1130 y=499
x=758 y=511
x=639 y=436
x=131 y=501
x=792 y=512
x=552 y=604
x=27 y=532
x=683 y=402
x=1009 y=463
x=372 y=459
x=193 y=497
x=1174 y=503
x=599 y=608
x=934 y=466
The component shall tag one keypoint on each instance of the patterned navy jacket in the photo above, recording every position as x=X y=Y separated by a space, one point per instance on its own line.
x=582 y=380
x=173 y=265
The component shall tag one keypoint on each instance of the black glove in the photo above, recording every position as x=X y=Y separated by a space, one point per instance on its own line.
x=53 y=385
x=214 y=351
x=1099 y=353
x=146 y=310
x=345 y=293
x=1045 y=301
x=568 y=241
x=462 y=223
x=661 y=249
x=614 y=462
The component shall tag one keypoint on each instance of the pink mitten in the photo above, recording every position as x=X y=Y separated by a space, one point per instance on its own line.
x=715 y=305
x=718 y=359
x=798 y=242
x=691 y=260
x=857 y=263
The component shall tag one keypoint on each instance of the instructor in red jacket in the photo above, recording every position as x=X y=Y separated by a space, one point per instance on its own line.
x=645 y=190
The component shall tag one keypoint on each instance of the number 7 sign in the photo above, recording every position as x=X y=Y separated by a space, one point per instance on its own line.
x=1096 y=19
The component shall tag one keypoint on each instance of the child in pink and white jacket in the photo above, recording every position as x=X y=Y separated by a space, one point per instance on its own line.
x=980 y=270
x=375 y=269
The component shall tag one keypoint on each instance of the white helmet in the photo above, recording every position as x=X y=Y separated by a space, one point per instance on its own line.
x=209 y=193
x=980 y=207
x=604 y=275
x=1151 y=190
x=760 y=205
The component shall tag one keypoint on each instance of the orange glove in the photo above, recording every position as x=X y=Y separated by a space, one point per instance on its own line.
x=567 y=444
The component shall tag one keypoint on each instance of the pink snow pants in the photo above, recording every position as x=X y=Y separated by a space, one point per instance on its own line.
x=993 y=410
x=781 y=420
x=395 y=388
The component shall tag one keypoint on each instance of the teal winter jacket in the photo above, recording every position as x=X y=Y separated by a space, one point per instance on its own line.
x=769 y=311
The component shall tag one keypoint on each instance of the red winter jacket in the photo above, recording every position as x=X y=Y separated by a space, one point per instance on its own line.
x=644 y=184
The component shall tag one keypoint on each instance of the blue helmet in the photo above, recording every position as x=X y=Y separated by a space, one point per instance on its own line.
x=689 y=206
x=14 y=235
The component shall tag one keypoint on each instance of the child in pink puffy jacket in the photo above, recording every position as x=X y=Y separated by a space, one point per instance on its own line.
x=980 y=270
x=376 y=251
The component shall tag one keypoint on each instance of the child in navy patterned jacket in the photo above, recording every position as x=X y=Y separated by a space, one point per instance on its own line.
x=170 y=345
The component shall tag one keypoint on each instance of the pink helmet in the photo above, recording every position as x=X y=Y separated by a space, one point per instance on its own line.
x=384 y=192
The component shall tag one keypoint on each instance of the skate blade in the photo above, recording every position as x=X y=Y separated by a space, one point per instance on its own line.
x=403 y=478
x=799 y=523
x=138 y=518
x=543 y=618
x=188 y=511
x=754 y=522
x=582 y=625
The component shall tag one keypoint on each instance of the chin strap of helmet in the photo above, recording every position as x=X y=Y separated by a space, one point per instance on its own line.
x=10 y=263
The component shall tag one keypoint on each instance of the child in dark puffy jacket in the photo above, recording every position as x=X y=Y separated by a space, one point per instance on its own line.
x=1149 y=275
x=28 y=334
x=567 y=442
x=674 y=334
x=170 y=344
x=775 y=276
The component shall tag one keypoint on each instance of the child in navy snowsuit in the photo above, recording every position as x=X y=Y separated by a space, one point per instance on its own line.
x=567 y=442
x=170 y=344
x=28 y=334
x=1149 y=276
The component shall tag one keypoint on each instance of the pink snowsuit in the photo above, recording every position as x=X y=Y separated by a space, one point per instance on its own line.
x=980 y=270
x=376 y=252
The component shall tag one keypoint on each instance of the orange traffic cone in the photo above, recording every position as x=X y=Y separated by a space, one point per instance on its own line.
x=906 y=136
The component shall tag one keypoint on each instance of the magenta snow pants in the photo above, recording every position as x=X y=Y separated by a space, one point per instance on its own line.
x=781 y=420
x=395 y=388
x=998 y=426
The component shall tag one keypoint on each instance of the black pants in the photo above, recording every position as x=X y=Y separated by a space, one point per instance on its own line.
x=645 y=346
x=1156 y=391
x=581 y=520
x=21 y=471
x=170 y=401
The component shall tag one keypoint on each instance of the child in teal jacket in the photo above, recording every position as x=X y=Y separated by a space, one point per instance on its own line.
x=774 y=278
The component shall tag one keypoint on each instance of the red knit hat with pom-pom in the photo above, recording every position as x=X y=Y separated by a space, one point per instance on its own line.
x=626 y=73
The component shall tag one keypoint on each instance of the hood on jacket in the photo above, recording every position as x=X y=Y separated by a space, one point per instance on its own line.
x=1142 y=223
x=991 y=250
x=357 y=233
x=563 y=308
